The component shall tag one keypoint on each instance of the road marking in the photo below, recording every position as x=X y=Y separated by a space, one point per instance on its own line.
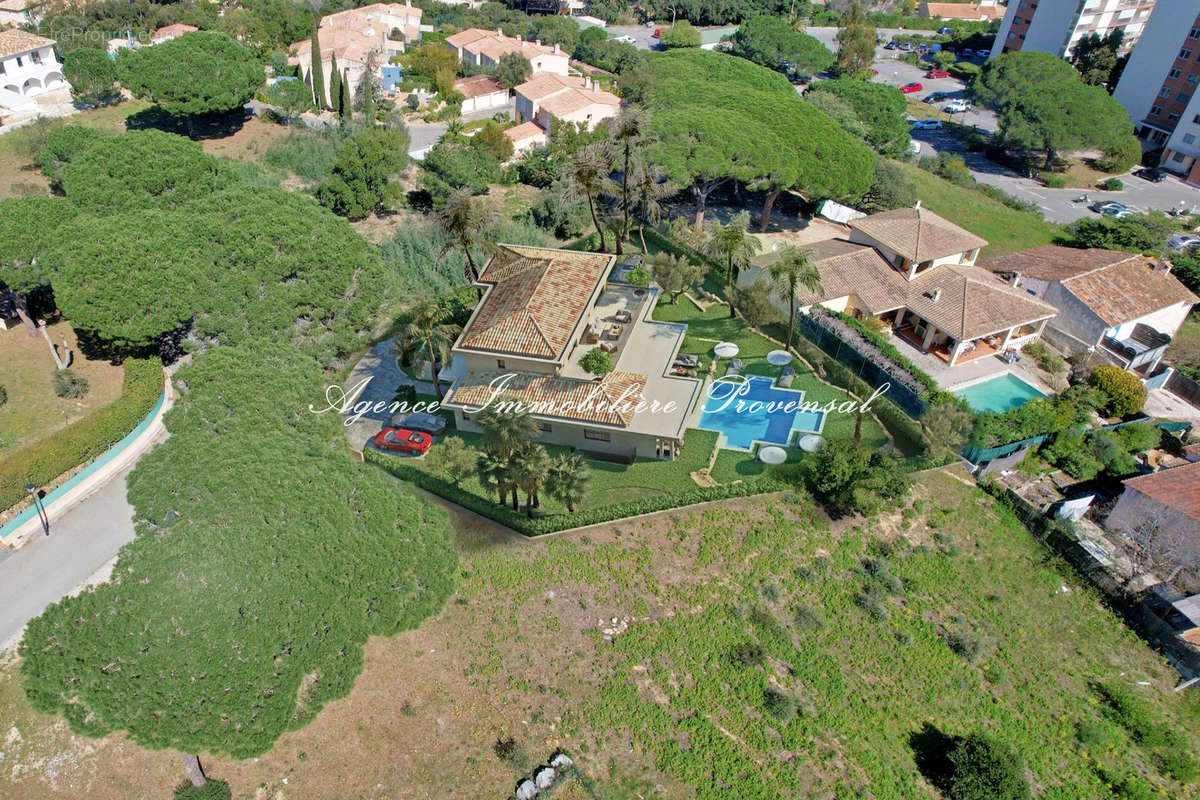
x=1048 y=208
x=1035 y=194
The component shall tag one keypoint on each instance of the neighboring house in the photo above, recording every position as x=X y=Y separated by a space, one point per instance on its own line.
x=356 y=38
x=28 y=70
x=542 y=310
x=982 y=10
x=21 y=12
x=527 y=136
x=480 y=93
x=485 y=48
x=545 y=98
x=1162 y=507
x=170 y=32
x=1123 y=305
x=915 y=271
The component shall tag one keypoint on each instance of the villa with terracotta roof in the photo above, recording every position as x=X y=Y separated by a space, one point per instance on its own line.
x=29 y=72
x=542 y=310
x=915 y=271
x=484 y=48
x=983 y=10
x=169 y=32
x=548 y=97
x=1168 y=501
x=357 y=38
x=1122 y=305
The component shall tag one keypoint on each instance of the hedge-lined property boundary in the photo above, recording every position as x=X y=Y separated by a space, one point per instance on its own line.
x=540 y=525
x=44 y=460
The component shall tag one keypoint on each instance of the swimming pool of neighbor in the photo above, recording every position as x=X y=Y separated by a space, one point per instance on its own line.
x=1002 y=393
x=757 y=412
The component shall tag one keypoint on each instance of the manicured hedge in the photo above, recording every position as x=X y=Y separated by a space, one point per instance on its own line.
x=518 y=521
x=80 y=442
x=886 y=348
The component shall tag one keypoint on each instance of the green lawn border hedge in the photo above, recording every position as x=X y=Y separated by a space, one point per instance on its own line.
x=44 y=460
x=552 y=523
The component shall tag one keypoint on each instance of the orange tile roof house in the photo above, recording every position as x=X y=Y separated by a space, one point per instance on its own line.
x=1124 y=305
x=357 y=38
x=547 y=97
x=916 y=272
x=542 y=310
x=481 y=92
x=29 y=72
x=169 y=32
x=980 y=11
x=485 y=48
x=1166 y=502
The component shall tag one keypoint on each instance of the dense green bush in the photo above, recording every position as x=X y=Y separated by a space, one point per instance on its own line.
x=487 y=506
x=986 y=769
x=3 y=395
x=308 y=154
x=1126 y=394
x=69 y=383
x=1038 y=417
x=213 y=790
x=1111 y=185
x=1122 y=156
x=1052 y=181
x=964 y=70
x=43 y=461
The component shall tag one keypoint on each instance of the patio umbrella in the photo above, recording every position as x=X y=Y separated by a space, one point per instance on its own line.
x=772 y=455
x=779 y=358
x=726 y=350
x=811 y=443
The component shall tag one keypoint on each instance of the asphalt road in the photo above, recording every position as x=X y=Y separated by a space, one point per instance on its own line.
x=426 y=134
x=50 y=567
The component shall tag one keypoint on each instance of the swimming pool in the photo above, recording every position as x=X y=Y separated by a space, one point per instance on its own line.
x=1002 y=393
x=747 y=418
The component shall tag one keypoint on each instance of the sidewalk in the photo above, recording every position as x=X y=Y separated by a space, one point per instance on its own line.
x=91 y=478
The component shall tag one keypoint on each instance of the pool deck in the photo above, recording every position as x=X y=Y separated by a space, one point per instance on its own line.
x=723 y=440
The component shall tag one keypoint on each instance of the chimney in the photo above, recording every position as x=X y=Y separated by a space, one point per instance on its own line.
x=937 y=295
x=557 y=49
x=596 y=87
x=917 y=207
x=538 y=42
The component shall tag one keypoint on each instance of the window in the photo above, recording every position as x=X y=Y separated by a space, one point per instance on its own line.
x=1184 y=97
x=1192 y=78
x=1156 y=111
x=1196 y=119
x=1172 y=117
x=19 y=62
x=1164 y=91
x=1177 y=157
x=1194 y=33
x=544 y=427
x=465 y=415
x=500 y=363
x=597 y=436
x=1175 y=72
x=1189 y=138
x=1185 y=53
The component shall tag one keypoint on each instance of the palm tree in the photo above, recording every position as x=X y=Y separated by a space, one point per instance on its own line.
x=732 y=243
x=568 y=479
x=506 y=428
x=650 y=187
x=468 y=223
x=494 y=474
x=587 y=176
x=793 y=270
x=426 y=338
x=630 y=130
x=530 y=464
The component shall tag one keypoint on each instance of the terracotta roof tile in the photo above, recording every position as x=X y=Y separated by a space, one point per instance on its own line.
x=537 y=299
x=478 y=85
x=1177 y=488
x=611 y=401
x=526 y=130
x=1127 y=290
x=971 y=11
x=917 y=234
x=17 y=41
x=176 y=30
x=1054 y=263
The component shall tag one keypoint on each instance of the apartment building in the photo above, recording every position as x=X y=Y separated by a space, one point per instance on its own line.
x=1160 y=84
x=1054 y=26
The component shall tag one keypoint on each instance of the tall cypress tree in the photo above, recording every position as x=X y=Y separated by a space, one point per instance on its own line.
x=318 y=73
x=368 y=100
x=335 y=86
x=345 y=107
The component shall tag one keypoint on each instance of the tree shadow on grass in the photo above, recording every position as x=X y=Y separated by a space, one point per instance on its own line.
x=931 y=750
x=206 y=126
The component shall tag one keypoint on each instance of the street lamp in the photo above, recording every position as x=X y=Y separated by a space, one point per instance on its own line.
x=41 y=509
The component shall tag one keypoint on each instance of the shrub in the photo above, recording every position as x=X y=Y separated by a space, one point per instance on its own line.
x=597 y=362
x=965 y=70
x=69 y=383
x=44 y=460
x=1126 y=394
x=1122 y=156
x=1111 y=185
x=213 y=790
x=810 y=619
x=638 y=277
x=3 y=395
x=1052 y=181
x=986 y=769
x=778 y=704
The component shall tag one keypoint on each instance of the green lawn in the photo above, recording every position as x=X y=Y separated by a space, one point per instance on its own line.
x=1006 y=229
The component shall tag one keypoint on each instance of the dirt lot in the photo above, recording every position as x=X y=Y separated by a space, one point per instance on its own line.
x=33 y=410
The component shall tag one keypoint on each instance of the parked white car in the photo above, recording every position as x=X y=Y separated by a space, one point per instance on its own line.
x=957 y=107
x=927 y=125
x=625 y=40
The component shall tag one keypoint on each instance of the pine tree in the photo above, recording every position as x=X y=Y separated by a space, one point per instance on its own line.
x=335 y=86
x=318 y=73
x=345 y=108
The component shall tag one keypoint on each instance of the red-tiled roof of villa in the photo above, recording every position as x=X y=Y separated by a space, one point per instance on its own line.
x=537 y=299
x=918 y=234
x=610 y=401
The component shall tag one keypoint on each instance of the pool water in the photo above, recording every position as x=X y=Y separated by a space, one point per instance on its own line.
x=1002 y=393
x=743 y=425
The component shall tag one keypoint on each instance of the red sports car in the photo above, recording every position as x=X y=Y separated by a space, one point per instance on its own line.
x=402 y=440
x=909 y=88
x=938 y=73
